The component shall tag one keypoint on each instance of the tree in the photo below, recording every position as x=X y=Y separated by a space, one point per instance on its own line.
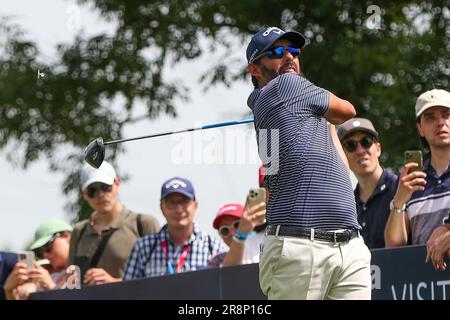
x=379 y=57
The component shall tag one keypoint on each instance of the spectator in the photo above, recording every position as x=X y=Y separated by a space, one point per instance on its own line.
x=376 y=186
x=7 y=262
x=424 y=196
x=253 y=244
x=439 y=245
x=52 y=240
x=108 y=236
x=180 y=246
x=230 y=219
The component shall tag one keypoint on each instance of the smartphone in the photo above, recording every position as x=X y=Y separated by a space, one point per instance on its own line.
x=256 y=196
x=27 y=257
x=44 y=263
x=414 y=156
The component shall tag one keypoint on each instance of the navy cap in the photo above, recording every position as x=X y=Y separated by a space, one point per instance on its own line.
x=265 y=37
x=177 y=185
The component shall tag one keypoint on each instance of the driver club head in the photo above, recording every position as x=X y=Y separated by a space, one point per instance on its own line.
x=94 y=154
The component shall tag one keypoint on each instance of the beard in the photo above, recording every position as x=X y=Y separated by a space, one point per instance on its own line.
x=270 y=74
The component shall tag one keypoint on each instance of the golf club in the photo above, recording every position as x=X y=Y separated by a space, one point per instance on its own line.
x=94 y=154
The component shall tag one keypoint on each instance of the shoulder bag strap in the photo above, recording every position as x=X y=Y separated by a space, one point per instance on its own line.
x=101 y=247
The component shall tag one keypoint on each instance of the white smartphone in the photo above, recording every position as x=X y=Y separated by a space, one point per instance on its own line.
x=27 y=257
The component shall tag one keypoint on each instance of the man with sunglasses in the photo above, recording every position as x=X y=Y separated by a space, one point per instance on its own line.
x=102 y=244
x=312 y=248
x=180 y=246
x=376 y=186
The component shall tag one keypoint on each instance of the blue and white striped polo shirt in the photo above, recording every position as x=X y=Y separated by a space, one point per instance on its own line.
x=312 y=187
x=428 y=208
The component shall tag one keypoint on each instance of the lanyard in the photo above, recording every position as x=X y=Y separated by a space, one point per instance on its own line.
x=181 y=261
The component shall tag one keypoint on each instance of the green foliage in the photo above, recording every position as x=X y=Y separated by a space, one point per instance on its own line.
x=381 y=71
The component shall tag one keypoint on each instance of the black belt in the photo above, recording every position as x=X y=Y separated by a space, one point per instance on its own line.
x=313 y=234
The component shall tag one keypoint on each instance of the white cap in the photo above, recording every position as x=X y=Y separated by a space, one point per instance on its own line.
x=105 y=174
x=432 y=98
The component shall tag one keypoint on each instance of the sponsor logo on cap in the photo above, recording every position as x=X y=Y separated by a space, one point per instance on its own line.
x=175 y=184
x=272 y=29
x=253 y=54
x=228 y=208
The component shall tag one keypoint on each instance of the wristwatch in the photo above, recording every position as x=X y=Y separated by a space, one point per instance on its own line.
x=396 y=210
x=447 y=220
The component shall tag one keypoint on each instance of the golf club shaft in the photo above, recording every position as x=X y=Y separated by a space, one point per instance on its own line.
x=208 y=126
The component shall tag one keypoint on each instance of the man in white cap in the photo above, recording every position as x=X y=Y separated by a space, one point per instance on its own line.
x=422 y=199
x=102 y=243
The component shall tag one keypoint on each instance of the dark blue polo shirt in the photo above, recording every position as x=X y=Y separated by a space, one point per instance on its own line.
x=7 y=263
x=311 y=188
x=373 y=215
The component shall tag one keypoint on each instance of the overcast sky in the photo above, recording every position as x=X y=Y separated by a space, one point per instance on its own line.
x=221 y=163
x=31 y=196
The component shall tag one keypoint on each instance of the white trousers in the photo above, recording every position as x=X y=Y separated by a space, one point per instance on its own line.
x=297 y=268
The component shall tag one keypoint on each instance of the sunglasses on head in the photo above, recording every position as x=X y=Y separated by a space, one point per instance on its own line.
x=93 y=190
x=351 y=145
x=278 y=52
x=225 y=231
x=46 y=248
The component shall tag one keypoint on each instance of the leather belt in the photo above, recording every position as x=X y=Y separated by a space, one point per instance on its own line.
x=312 y=234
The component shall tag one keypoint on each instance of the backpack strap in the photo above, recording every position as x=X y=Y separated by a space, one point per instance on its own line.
x=140 y=227
x=100 y=248
x=210 y=246
x=82 y=231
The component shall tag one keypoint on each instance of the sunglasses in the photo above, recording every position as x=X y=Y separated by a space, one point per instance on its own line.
x=352 y=145
x=225 y=231
x=93 y=190
x=278 y=52
x=46 y=248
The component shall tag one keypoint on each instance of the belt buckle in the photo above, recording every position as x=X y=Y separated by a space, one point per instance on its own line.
x=277 y=230
x=335 y=237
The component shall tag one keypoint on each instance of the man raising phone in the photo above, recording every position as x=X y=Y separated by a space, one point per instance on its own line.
x=424 y=196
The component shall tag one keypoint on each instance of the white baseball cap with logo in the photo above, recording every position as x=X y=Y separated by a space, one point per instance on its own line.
x=105 y=174
x=432 y=98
